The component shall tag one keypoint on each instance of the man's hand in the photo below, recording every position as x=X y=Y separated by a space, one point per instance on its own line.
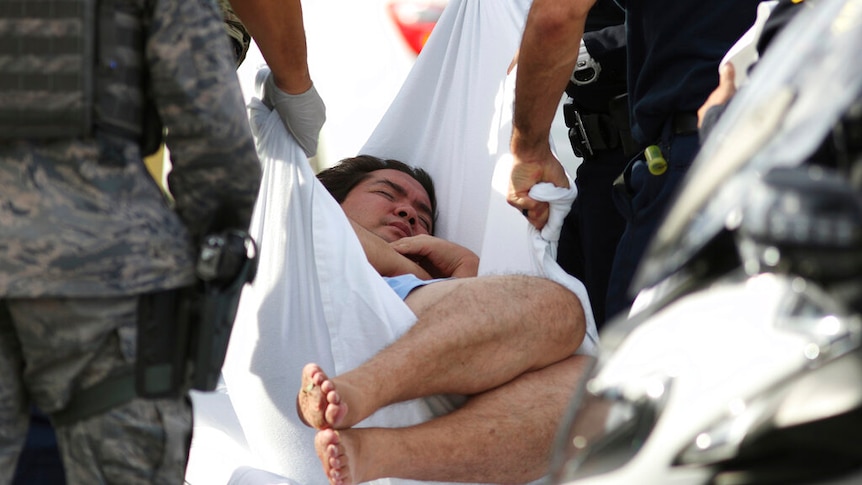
x=440 y=258
x=721 y=95
x=527 y=172
x=384 y=259
x=542 y=75
x=302 y=114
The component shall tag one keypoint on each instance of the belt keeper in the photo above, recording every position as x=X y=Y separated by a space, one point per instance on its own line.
x=684 y=123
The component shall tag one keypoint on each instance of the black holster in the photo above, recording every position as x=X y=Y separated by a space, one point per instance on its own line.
x=227 y=262
x=593 y=132
x=183 y=334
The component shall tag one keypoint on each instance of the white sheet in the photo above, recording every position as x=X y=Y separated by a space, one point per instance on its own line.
x=453 y=117
x=316 y=299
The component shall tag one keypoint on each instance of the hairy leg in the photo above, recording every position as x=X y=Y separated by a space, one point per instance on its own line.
x=500 y=436
x=471 y=335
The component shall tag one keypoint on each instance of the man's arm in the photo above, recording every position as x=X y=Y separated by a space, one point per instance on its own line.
x=424 y=256
x=278 y=30
x=441 y=258
x=383 y=258
x=546 y=59
x=707 y=117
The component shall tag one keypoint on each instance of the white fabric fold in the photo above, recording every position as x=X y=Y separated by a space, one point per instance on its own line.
x=743 y=54
x=545 y=242
x=560 y=200
x=316 y=299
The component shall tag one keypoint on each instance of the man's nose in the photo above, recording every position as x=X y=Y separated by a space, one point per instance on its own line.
x=408 y=213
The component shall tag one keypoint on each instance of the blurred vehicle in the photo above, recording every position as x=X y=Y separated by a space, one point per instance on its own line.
x=741 y=362
x=415 y=19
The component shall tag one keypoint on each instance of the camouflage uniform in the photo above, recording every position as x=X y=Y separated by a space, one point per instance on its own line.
x=84 y=230
x=236 y=31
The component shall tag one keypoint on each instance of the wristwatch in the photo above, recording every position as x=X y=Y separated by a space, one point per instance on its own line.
x=587 y=69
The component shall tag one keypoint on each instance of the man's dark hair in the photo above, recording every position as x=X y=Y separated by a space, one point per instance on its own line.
x=341 y=178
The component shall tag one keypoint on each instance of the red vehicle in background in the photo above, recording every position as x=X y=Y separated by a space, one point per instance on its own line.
x=415 y=19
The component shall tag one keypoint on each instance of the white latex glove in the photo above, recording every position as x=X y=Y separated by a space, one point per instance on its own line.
x=302 y=114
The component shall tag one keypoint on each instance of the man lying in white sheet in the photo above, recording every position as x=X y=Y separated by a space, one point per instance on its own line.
x=485 y=339
x=478 y=337
x=317 y=299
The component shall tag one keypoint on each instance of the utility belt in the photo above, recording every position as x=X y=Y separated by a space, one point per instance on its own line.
x=642 y=180
x=593 y=133
x=683 y=123
x=71 y=67
x=182 y=333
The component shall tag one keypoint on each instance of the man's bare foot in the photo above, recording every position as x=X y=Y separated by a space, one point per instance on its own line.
x=336 y=456
x=318 y=403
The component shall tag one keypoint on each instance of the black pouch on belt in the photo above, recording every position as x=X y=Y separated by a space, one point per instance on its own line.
x=161 y=368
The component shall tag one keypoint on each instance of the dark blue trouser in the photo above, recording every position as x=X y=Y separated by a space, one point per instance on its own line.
x=643 y=200
x=40 y=462
x=590 y=233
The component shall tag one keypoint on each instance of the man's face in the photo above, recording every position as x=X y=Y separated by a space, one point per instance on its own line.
x=390 y=204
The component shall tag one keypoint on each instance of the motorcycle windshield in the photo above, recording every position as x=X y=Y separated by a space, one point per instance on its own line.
x=809 y=77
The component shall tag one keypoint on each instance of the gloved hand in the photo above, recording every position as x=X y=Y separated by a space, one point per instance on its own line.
x=302 y=114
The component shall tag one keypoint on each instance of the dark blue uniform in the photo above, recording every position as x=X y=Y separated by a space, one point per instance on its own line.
x=593 y=227
x=674 y=49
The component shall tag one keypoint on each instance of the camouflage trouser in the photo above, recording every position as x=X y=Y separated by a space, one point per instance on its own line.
x=49 y=347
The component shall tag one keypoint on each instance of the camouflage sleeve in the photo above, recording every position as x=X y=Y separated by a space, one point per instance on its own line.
x=215 y=171
x=236 y=31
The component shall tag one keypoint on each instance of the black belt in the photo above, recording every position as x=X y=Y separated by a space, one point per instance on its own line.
x=85 y=403
x=684 y=123
x=591 y=133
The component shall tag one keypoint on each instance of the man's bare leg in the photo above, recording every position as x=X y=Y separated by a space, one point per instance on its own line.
x=500 y=436
x=472 y=334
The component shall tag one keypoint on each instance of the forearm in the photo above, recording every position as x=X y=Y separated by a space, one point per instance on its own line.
x=383 y=258
x=439 y=257
x=542 y=78
x=278 y=29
